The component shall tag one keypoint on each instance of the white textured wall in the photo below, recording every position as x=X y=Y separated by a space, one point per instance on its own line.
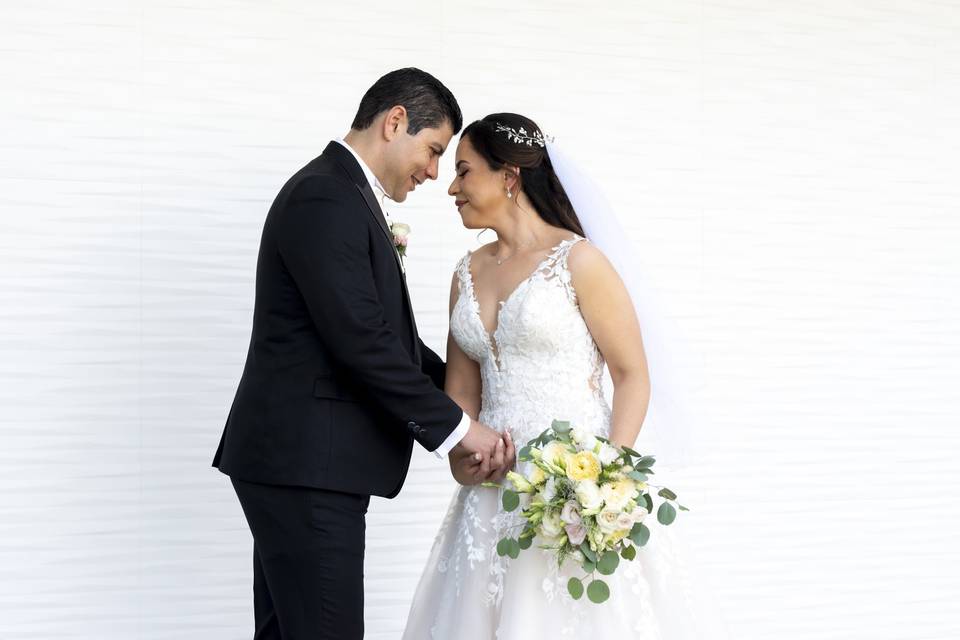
x=790 y=171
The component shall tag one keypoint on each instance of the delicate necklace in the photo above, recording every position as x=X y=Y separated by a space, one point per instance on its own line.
x=515 y=252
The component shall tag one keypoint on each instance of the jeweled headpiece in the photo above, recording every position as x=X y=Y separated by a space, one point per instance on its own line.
x=520 y=136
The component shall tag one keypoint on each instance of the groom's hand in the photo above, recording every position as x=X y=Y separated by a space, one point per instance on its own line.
x=481 y=441
x=473 y=468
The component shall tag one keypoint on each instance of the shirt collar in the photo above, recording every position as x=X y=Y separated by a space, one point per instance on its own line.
x=367 y=172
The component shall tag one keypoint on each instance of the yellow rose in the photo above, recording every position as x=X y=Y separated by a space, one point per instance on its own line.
x=583 y=466
x=617 y=494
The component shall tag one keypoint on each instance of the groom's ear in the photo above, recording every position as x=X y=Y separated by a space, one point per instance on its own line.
x=395 y=122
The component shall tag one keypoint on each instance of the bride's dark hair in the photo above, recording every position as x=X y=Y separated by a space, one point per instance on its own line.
x=537 y=177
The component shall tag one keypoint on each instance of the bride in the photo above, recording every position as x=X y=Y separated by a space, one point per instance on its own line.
x=534 y=317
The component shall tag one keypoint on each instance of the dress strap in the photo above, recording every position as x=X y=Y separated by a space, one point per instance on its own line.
x=463 y=275
x=555 y=266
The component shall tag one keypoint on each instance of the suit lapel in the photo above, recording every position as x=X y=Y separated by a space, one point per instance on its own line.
x=349 y=164
x=367 y=192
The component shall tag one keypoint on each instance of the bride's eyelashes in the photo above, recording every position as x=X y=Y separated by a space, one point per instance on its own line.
x=465 y=171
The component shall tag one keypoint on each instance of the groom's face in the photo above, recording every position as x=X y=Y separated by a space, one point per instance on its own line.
x=414 y=159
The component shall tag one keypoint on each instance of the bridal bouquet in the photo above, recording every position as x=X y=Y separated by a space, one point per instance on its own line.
x=586 y=499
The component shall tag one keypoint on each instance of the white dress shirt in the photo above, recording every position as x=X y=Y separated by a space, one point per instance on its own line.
x=458 y=434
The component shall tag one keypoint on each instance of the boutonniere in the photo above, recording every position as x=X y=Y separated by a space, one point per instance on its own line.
x=400 y=232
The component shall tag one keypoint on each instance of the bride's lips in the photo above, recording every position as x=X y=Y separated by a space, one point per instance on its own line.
x=460 y=203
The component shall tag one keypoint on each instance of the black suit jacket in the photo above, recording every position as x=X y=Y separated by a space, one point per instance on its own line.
x=337 y=384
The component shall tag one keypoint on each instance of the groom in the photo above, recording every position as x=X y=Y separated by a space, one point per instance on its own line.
x=337 y=384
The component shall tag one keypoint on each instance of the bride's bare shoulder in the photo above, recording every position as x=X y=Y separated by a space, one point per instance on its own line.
x=588 y=264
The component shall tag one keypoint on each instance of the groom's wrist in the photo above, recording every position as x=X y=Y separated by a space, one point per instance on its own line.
x=454 y=438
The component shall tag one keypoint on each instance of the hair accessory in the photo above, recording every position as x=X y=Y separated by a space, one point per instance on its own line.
x=522 y=137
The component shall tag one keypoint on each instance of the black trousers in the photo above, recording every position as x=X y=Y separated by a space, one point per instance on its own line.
x=307 y=561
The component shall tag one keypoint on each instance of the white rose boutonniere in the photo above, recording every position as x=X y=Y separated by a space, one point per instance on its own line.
x=400 y=232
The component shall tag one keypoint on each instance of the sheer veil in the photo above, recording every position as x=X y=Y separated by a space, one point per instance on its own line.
x=673 y=418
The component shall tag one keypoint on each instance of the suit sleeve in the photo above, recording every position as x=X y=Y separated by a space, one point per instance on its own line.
x=324 y=242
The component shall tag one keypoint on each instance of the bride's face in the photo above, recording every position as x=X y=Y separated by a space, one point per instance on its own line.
x=479 y=191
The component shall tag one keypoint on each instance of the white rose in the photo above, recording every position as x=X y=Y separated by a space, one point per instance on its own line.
x=624 y=521
x=555 y=452
x=551 y=525
x=639 y=514
x=400 y=229
x=588 y=493
x=608 y=454
x=607 y=520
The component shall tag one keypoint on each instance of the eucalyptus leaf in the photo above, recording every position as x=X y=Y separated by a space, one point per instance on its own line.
x=608 y=563
x=575 y=587
x=598 y=591
x=666 y=513
x=589 y=566
x=629 y=552
x=631 y=452
x=514 y=550
x=511 y=500
x=588 y=552
x=666 y=493
x=648 y=502
x=503 y=546
x=638 y=476
x=640 y=534
x=683 y=508
x=525 y=542
x=561 y=426
x=645 y=461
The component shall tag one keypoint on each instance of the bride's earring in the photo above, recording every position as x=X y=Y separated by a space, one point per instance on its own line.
x=509 y=195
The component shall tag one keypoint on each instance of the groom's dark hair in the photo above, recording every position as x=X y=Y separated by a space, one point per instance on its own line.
x=427 y=101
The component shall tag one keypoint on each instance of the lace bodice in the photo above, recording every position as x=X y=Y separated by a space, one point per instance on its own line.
x=541 y=362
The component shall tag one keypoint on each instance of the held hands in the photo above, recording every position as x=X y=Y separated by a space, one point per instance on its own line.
x=482 y=456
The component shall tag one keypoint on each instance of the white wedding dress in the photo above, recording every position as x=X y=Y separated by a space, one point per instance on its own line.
x=540 y=364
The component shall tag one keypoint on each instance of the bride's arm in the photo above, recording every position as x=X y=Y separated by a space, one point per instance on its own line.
x=608 y=311
x=462 y=384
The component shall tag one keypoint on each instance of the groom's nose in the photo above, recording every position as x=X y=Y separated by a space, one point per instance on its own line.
x=433 y=169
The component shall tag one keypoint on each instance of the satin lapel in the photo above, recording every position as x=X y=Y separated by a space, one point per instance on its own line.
x=349 y=164
x=377 y=213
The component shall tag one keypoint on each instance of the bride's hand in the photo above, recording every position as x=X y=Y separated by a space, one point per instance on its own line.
x=468 y=469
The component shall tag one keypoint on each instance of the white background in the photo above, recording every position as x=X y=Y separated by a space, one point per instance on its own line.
x=788 y=169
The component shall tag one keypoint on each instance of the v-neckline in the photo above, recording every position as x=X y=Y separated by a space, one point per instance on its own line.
x=491 y=336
